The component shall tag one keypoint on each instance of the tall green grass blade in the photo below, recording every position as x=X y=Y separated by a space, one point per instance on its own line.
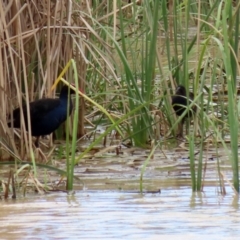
x=68 y=162
x=192 y=163
x=71 y=164
x=232 y=106
x=145 y=165
x=199 y=168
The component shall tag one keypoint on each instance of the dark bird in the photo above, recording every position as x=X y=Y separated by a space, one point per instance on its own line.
x=46 y=115
x=180 y=103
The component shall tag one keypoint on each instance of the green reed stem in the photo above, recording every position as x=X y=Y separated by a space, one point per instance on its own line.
x=70 y=167
x=192 y=162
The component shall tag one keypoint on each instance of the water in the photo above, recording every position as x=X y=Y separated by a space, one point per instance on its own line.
x=175 y=213
x=99 y=210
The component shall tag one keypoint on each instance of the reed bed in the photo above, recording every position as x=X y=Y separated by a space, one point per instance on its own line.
x=130 y=56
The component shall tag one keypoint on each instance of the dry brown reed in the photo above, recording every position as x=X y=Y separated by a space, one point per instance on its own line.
x=37 y=39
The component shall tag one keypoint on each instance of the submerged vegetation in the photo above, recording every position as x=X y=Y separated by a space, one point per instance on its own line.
x=127 y=58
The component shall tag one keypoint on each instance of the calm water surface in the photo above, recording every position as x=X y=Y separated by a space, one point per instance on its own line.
x=172 y=214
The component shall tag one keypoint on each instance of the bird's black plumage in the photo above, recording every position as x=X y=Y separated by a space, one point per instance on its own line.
x=46 y=115
x=180 y=103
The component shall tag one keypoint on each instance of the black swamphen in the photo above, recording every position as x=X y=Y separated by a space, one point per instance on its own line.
x=46 y=115
x=180 y=103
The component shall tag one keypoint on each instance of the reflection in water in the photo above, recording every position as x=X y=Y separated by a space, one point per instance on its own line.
x=172 y=214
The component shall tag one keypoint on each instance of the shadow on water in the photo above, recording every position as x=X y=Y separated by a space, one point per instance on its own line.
x=175 y=213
